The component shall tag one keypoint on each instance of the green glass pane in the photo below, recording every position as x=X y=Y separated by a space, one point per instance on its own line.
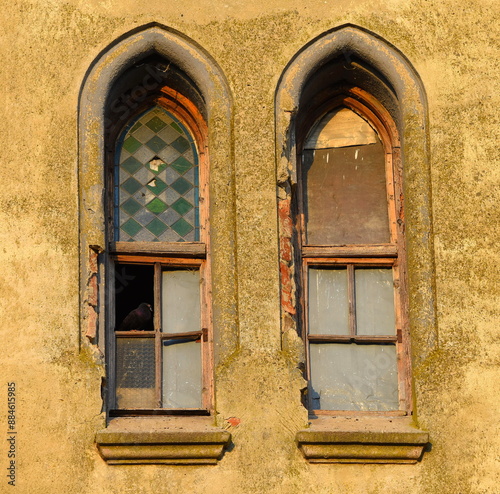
x=131 y=144
x=157 y=227
x=131 y=227
x=157 y=186
x=181 y=144
x=131 y=186
x=156 y=206
x=182 y=227
x=181 y=165
x=156 y=144
x=156 y=124
x=176 y=127
x=181 y=206
x=181 y=186
x=131 y=207
x=131 y=165
x=135 y=127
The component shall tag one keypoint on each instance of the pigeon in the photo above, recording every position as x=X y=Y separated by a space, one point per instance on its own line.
x=137 y=319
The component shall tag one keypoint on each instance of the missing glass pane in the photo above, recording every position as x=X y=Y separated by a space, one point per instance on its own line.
x=134 y=285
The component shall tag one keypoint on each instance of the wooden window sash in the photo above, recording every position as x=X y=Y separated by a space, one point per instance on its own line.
x=201 y=335
x=399 y=339
x=366 y=255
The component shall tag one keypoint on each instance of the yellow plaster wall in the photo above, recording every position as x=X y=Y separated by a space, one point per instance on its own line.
x=46 y=48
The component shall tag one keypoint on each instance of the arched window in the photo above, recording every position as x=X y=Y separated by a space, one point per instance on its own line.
x=145 y=243
x=342 y=105
x=158 y=237
x=352 y=258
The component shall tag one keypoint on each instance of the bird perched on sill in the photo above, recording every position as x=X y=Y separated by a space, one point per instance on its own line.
x=137 y=319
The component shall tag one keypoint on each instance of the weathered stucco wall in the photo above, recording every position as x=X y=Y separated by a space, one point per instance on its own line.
x=47 y=48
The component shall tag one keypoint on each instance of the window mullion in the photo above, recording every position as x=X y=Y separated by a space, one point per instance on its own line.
x=157 y=325
x=352 y=300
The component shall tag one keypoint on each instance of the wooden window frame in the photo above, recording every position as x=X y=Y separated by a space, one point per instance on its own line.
x=162 y=255
x=351 y=256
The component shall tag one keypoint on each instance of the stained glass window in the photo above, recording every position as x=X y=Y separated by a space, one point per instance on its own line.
x=156 y=181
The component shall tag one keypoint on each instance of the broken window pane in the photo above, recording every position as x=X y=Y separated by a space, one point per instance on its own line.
x=328 y=301
x=181 y=301
x=135 y=372
x=353 y=377
x=343 y=171
x=182 y=380
x=374 y=301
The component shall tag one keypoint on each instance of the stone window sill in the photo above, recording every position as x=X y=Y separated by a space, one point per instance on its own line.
x=162 y=440
x=362 y=440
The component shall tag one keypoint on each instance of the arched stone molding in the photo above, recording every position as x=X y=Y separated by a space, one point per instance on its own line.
x=109 y=65
x=349 y=42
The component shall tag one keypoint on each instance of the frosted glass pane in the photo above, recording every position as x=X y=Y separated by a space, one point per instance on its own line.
x=374 y=302
x=135 y=373
x=328 y=301
x=354 y=377
x=182 y=381
x=180 y=301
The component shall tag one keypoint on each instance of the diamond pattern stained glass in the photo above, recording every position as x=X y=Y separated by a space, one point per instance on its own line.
x=156 y=181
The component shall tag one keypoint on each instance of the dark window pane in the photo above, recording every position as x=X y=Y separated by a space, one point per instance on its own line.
x=133 y=286
x=135 y=372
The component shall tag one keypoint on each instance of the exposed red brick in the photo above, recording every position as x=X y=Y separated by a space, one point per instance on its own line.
x=234 y=421
x=285 y=249
x=91 y=323
x=93 y=265
x=93 y=291
x=286 y=289
x=286 y=224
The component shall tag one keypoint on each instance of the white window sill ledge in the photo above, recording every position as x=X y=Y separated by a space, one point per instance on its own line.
x=162 y=440
x=362 y=440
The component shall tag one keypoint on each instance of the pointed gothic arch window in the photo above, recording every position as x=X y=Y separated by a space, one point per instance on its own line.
x=145 y=239
x=159 y=243
x=342 y=104
x=353 y=276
